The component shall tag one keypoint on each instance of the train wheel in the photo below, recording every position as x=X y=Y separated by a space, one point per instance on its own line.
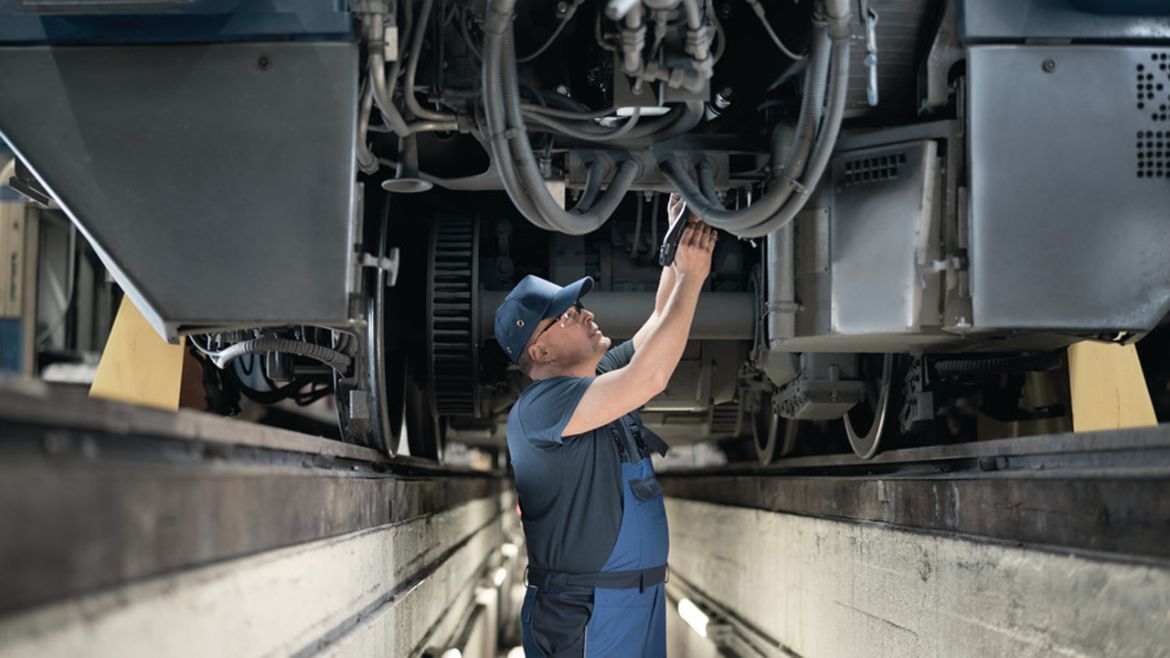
x=773 y=435
x=866 y=421
x=425 y=432
x=386 y=359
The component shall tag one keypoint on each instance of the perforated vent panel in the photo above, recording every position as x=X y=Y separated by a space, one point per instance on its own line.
x=1153 y=101
x=1153 y=154
x=1153 y=82
x=877 y=168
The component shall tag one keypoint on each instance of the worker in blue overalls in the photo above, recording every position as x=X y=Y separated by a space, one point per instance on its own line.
x=591 y=507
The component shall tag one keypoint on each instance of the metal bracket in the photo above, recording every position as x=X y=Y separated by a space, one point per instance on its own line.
x=388 y=264
x=24 y=182
x=871 y=56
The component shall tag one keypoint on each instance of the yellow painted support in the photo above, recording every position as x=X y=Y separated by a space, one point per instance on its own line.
x=1108 y=388
x=137 y=365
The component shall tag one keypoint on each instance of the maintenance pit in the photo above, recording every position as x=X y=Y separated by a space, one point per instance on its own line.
x=277 y=277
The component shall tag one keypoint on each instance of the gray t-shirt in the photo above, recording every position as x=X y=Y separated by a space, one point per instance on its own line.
x=570 y=487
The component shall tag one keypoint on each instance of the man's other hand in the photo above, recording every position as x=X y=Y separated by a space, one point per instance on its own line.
x=674 y=210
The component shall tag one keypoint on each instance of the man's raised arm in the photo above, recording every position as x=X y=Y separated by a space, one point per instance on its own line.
x=662 y=339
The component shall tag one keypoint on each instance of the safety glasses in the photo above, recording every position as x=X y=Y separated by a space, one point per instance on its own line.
x=568 y=317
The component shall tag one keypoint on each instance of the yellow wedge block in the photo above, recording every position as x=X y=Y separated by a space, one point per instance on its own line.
x=1108 y=388
x=138 y=366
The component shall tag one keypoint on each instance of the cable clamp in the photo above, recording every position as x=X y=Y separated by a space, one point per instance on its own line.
x=795 y=183
x=508 y=134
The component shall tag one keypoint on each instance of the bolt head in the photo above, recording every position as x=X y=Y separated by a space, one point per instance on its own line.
x=1049 y=65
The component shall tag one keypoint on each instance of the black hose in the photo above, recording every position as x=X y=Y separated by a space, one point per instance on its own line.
x=707 y=181
x=593 y=175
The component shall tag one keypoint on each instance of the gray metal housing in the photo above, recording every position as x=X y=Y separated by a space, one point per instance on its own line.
x=1070 y=200
x=215 y=181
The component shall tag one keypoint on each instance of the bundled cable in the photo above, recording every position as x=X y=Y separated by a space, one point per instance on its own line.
x=799 y=170
x=511 y=150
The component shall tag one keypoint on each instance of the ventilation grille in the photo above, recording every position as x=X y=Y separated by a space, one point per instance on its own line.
x=873 y=169
x=1153 y=79
x=1153 y=154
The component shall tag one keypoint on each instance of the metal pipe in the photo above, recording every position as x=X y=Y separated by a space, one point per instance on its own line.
x=780 y=286
x=633 y=40
x=412 y=103
x=719 y=316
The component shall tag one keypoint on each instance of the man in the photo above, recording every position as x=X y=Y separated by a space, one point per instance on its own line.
x=591 y=507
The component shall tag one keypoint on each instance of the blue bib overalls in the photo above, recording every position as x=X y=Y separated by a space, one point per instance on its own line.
x=599 y=621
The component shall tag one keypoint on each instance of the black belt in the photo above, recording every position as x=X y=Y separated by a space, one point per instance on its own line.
x=641 y=579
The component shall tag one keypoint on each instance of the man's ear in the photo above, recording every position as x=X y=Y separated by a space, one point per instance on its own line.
x=539 y=353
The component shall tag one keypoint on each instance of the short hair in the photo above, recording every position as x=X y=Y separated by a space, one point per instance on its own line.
x=525 y=362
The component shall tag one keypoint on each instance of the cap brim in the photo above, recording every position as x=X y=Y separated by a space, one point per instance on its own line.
x=568 y=296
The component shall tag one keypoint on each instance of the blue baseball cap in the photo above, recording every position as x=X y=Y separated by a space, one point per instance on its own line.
x=532 y=300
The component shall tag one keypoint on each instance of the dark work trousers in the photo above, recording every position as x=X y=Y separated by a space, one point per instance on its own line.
x=598 y=621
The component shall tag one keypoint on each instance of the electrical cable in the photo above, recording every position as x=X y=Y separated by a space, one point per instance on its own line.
x=782 y=201
x=758 y=9
x=416 y=43
x=565 y=129
x=465 y=32
x=572 y=9
x=532 y=108
x=719 y=34
x=332 y=358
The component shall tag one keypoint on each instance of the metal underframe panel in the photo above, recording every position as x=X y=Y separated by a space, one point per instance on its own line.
x=860 y=258
x=1069 y=199
x=1018 y=20
x=215 y=181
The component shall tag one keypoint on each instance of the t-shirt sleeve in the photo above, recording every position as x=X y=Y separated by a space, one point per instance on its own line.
x=548 y=406
x=616 y=357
